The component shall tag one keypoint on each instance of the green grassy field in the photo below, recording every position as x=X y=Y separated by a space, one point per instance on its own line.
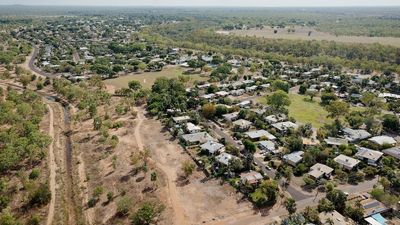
x=147 y=79
x=305 y=111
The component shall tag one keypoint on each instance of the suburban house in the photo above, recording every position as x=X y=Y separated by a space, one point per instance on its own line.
x=241 y=125
x=222 y=93
x=212 y=147
x=224 y=158
x=196 y=138
x=353 y=135
x=181 y=119
x=371 y=206
x=244 y=104
x=320 y=171
x=275 y=118
x=191 y=128
x=383 y=140
x=346 y=162
x=293 y=158
x=336 y=218
x=268 y=146
x=259 y=134
x=283 y=127
x=394 y=152
x=369 y=156
x=251 y=177
x=231 y=116
x=331 y=141
x=208 y=97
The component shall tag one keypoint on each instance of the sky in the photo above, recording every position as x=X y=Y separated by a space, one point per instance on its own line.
x=228 y=3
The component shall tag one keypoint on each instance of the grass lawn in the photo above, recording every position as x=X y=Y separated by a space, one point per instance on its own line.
x=305 y=111
x=147 y=79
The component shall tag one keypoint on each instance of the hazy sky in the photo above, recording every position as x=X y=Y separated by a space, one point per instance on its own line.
x=249 y=3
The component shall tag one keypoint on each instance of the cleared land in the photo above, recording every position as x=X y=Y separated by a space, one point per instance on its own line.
x=147 y=79
x=301 y=33
x=306 y=111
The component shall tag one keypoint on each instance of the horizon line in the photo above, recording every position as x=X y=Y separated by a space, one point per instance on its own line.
x=205 y=6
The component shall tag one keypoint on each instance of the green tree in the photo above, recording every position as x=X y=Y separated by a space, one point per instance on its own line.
x=266 y=193
x=337 y=109
x=324 y=205
x=147 y=213
x=280 y=85
x=123 y=206
x=209 y=110
x=290 y=205
x=7 y=218
x=338 y=198
x=134 y=85
x=391 y=122
x=278 y=100
x=41 y=195
x=188 y=168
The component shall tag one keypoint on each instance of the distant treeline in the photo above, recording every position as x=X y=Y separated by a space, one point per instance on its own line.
x=332 y=54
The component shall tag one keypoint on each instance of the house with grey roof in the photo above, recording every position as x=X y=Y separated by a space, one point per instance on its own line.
x=208 y=96
x=394 y=152
x=222 y=93
x=231 y=116
x=241 y=125
x=259 y=134
x=353 y=135
x=283 y=127
x=238 y=92
x=212 y=147
x=369 y=156
x=191 y=128
x=275 y=118
x=331 y=141
x=268 y=146
x=383 y=140
x=293 y=158
x=181 y=119
x=244 y=104
x=224 y=158
x=346 y=162
x=196 y=138
x=251 y=177
x=319 y=171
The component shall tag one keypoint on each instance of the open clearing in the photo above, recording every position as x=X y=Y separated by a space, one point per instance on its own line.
x=301 y=33
x=147 y=79
x=306 y=111
x=203 y=200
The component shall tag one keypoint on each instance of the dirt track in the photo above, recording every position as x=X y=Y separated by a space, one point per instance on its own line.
x=52 y=168
x=171 y=176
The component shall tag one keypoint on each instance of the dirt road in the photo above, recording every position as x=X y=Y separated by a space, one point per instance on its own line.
x=52 y=168
x=171 y=175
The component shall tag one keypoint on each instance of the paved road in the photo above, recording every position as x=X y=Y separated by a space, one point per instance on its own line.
x=32 y=66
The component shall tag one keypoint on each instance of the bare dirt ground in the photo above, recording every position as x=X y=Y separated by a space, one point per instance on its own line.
x=52 y=168
x=301 y=33
x=203 y=200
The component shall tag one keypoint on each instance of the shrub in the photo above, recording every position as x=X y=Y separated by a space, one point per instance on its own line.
x=40 y=196
x=34 y=174
x=147 y=213
x=123 y=206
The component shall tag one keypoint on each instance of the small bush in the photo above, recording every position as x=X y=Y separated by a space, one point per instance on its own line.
x=34 y=174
